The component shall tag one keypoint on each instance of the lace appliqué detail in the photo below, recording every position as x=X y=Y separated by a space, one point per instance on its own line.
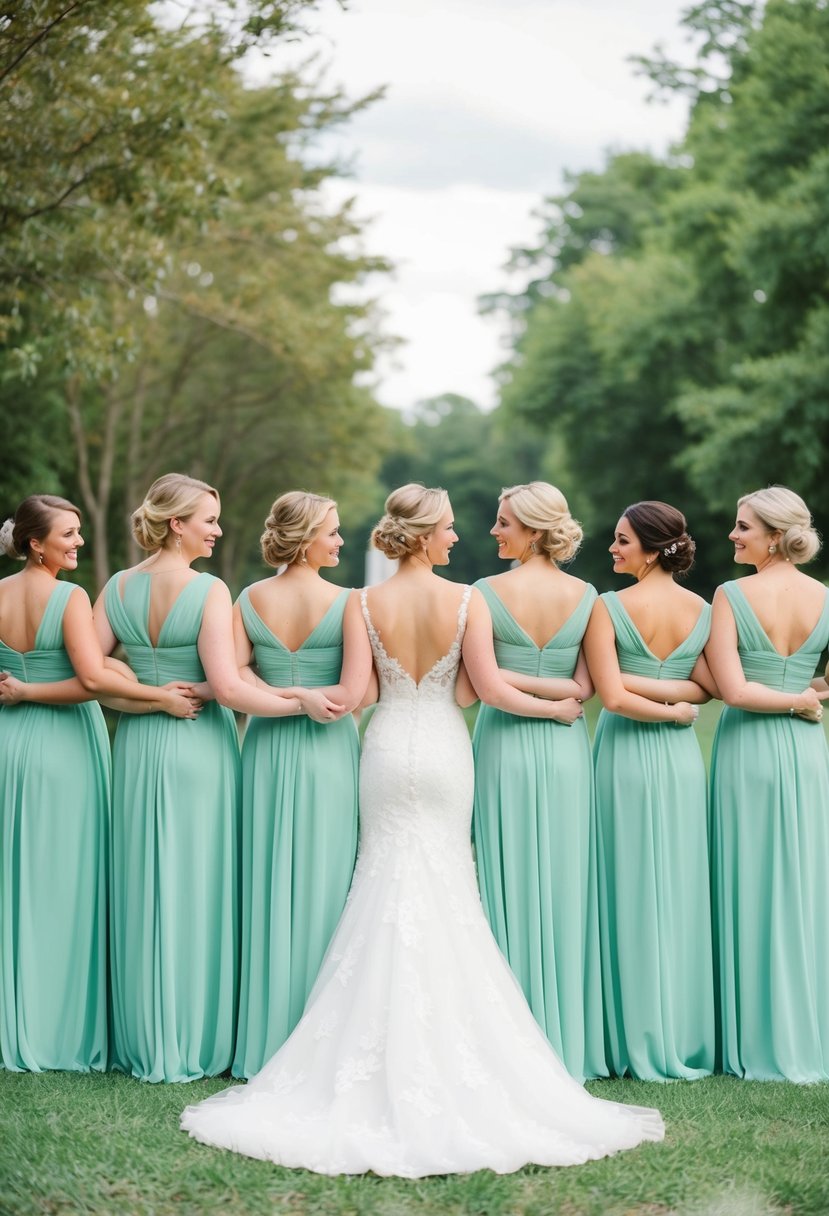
x=442 y=674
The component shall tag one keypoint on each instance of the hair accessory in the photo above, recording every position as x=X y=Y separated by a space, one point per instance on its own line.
x=670 y=549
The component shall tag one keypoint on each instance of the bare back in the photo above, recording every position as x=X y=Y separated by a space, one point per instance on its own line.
x=787 y=604
x=663 y=612
x=416 y=617
x=23 y=600
x=292 y=608
x=165 y=588
x=540 y=598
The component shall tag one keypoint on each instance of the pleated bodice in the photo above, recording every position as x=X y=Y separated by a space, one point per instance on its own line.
x=635 y=658
x=176 y=657
x=48 y=660
x=760 y=661
x=314 y=664
x=516 y=651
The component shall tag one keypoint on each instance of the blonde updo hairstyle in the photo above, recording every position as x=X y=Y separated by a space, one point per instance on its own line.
x=543 y=508
x=293 y=522
x=33 y=520
x=781 y=510
x=173 y=496
x=411 y=513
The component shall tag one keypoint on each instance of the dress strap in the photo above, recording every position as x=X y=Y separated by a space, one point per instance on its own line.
x=463 y=612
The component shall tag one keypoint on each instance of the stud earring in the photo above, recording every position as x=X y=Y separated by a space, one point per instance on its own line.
x=772 y=548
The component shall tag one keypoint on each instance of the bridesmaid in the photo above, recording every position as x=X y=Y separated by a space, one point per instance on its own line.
x=643 y=648
x=534 y=778
x=54 y=799
x=175 y=834
x=299 y=778
x=770 y=799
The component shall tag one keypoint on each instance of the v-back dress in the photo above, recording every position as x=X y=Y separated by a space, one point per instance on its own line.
x=770 y=868
x=535 y=844
x=54 y=825
x=175 y=855
x=299 y=836
x=654 y=895
x=417 y=1053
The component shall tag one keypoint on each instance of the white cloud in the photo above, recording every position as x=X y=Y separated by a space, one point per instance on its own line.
x=489 y=102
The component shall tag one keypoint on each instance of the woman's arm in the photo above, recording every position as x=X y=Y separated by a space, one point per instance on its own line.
x=726 y=668
x=554 y=688
x=97 y=676
x=218 y=655
x=465 y=694
x=698 y=689
x=358 y=665
x=488 y=682
x=600 y=650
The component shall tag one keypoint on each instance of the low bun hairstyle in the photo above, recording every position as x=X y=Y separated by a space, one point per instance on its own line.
x=783 y=511
x=542 y=507
x=173 y=496
x=411 y=512
x=32 y=521
x=294 y=520
x=662 y=529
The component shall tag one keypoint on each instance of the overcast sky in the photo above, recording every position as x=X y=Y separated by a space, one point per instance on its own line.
x=488 y=103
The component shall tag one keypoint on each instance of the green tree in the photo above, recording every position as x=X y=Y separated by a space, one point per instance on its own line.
x=180 y=305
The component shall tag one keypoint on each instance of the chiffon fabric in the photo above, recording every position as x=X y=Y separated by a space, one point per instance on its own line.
x=299 y=837
x=535 y=843
x=417 y=1053
x=175 y=855
x=654 y=893
x=54 y=819
x=770 y=859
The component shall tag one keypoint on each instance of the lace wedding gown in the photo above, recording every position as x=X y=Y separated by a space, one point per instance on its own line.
x=417 y=1053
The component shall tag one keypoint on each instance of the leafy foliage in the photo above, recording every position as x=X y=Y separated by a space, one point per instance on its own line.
x=676 y=335
x=173 y=271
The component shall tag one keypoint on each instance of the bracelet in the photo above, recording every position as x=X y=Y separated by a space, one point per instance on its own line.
x=791 y=712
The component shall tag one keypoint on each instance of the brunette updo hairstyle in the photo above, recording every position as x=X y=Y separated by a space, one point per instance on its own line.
x=411 y=512
x=173 y=496
x=542 y=507
x=33 y=520
x=293 y=522
x=783 y=511
x=661 y=529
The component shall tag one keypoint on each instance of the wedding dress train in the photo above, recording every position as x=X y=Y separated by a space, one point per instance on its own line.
x=417 y=1053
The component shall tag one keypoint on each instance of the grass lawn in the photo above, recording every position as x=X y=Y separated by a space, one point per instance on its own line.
x=108 y=1144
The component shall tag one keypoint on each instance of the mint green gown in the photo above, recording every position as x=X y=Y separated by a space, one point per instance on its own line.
x=175 y=856
x=535 y=846
x=54 y=819
x=299 y=837
x=654 y=895
x=770 y=868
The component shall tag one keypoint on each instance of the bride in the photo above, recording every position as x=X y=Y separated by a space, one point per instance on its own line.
x=417 y=1053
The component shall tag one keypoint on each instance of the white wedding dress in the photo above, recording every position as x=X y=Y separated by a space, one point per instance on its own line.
x=417 y=1053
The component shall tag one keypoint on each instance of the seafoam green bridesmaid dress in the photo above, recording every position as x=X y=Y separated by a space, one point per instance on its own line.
x=299 y=841
x=175 y=855
x=654 y=897
x=770 y=868
x=54 y=813
x=532 y=827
